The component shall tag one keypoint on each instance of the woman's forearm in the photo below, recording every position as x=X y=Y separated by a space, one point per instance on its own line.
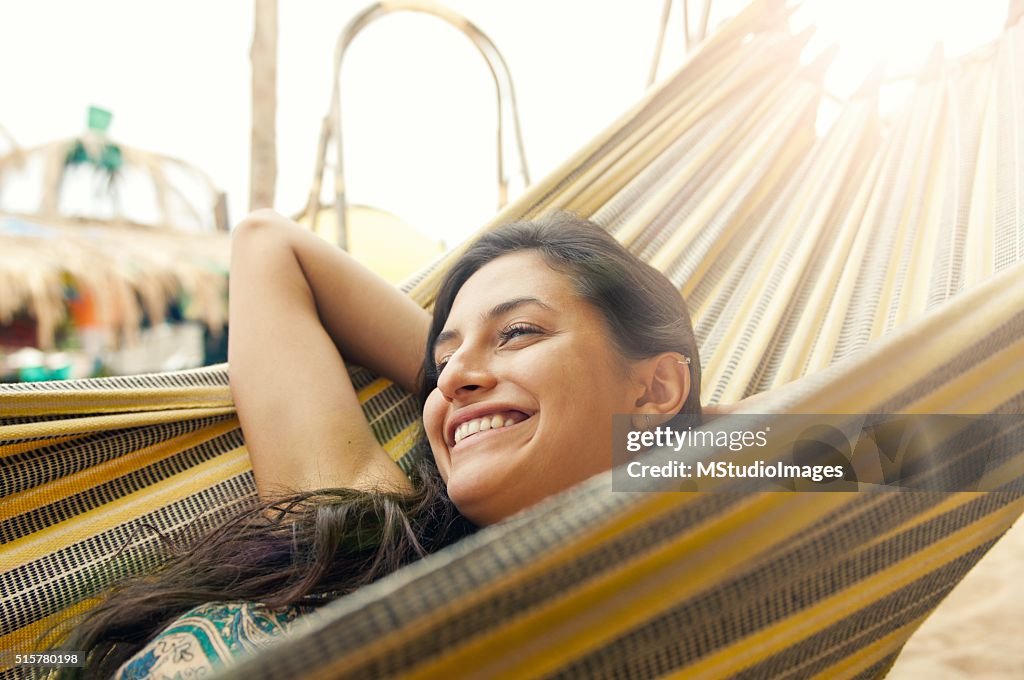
x=372 y=323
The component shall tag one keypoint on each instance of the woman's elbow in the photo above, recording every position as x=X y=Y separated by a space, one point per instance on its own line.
x=261 y=233
x=257 y=222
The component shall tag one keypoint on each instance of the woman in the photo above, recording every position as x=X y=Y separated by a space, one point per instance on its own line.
x=540 y=334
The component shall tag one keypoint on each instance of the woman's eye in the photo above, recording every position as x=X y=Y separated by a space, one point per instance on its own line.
x=440 y=364
x=517 y=330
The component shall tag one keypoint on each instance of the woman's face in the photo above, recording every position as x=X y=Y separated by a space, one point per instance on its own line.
x=530 y=380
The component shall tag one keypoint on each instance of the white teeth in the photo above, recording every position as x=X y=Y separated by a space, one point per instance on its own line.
x=482 y=425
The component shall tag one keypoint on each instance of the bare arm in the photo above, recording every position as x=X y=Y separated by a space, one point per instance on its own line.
x=298 y=306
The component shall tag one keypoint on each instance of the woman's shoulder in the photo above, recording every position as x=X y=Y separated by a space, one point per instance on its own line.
x=207 y=637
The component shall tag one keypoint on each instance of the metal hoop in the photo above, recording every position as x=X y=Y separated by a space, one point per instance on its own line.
x=332 y=121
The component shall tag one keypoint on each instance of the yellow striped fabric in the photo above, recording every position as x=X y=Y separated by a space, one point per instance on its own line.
x=883 y=260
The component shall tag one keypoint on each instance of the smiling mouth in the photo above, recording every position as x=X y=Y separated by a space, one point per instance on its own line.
x=494 y=421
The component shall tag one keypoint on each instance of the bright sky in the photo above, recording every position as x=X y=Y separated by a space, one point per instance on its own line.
x=419 y=106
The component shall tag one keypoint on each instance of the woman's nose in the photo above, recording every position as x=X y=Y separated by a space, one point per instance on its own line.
x=465 y=371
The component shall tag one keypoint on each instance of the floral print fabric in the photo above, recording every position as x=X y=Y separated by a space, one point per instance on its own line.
x=209 y=637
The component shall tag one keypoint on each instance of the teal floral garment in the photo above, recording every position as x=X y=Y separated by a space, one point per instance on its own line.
x=209 y=637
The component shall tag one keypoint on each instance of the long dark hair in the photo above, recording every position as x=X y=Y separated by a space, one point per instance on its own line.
x=644 y=312
x=302 y=549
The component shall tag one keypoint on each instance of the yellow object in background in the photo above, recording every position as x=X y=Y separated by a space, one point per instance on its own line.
x=382 y=241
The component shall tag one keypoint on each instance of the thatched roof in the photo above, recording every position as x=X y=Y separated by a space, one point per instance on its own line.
x=118 y=269
x=124 y=270
x=172 y=203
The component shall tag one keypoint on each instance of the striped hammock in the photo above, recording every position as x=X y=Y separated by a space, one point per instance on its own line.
x=882 y=260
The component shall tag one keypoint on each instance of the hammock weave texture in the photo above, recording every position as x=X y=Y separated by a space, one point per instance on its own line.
x=883 y=261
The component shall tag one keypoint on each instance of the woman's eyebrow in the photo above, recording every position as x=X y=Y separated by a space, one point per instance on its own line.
x=497 y=310
x=503 y=308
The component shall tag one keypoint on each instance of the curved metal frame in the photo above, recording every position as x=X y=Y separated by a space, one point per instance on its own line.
x=332 y=121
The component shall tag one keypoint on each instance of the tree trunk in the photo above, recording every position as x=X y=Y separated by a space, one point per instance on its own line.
x=263 y=55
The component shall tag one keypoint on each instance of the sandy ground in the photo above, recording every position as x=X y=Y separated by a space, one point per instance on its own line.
x=978 y=631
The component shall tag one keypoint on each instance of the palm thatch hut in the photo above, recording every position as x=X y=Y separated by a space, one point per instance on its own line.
x=110 y=266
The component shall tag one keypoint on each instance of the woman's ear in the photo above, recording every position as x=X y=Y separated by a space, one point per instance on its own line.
x=665 y=383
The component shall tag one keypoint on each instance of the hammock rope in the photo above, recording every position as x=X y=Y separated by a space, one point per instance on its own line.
x=881 y=262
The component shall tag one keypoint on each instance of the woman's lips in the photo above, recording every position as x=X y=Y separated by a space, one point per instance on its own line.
x=491 y=422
